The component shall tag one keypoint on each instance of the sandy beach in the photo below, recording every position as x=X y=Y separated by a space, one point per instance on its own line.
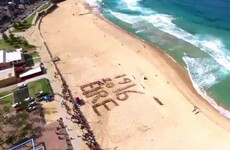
x=146 y=100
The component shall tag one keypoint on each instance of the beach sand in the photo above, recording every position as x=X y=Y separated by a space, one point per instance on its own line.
x=51 y=112
x=91 y=49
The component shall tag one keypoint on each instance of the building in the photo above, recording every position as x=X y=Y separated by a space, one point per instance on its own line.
x=31 y=73
x=11 y=63
x=7 y=77
x=11 y=58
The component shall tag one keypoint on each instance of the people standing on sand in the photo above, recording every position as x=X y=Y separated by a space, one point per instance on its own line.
x=195 y=108
x=197 y=112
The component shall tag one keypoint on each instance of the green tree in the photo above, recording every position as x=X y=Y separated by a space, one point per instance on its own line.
x=5 y=37
x=12 y=37
x=25 y=43
x=15 y=25
x=10 y=139
x=24 y=22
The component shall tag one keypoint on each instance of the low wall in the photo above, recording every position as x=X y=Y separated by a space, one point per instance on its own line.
x=45 y=11
x=8 y=81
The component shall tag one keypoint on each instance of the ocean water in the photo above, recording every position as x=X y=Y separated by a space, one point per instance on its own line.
x=194 y=33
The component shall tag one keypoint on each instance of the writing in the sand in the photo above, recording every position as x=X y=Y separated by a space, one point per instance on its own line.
x=98 y=91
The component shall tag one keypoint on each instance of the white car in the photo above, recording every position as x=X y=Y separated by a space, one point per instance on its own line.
x=29 y=109
x=16 y=104
x=22 y=86
x=29 y=99
x=32 y=104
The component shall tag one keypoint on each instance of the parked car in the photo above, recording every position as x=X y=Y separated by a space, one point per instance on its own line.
x=39 y=94
x=29 y=109
x=22 y=86
x=32 y=104
x=15 y=105
x=29 y=99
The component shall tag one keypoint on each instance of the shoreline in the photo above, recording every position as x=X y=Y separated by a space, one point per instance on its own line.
x=106 y=56
x=181 y=71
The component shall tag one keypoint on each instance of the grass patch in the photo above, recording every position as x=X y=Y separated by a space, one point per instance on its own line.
x=5 y=93
x=6 y=102
x=32 y=58
x=30 y=19
x=34 y=87
x=22 y=26
x=5 y=46
x=44 y=6
x=9 y=42
x=39 y=85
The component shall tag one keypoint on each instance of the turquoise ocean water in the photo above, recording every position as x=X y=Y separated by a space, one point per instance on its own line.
x=195 y=33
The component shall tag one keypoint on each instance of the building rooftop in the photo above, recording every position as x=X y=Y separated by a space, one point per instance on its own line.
x=2 y=55
x=7 y=73
x=11 y=55
x=31 y=72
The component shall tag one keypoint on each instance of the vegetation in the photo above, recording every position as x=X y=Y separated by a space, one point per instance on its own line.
x=39 y=85
x=12 y=41
x=15 y=127
x=5 y=45
x=30 y=19
x=22 y=26
x=44 y=6
x=34 y=87
x=5 y=93
x=31 y=58
x=6 y=102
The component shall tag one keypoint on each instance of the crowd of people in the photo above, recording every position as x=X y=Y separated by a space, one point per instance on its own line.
x=78 y=117
x=62 y=134
x=87 y=135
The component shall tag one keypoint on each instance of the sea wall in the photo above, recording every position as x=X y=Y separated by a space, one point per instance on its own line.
x=42 y=12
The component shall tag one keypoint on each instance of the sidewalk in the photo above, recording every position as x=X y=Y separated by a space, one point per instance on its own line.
x=72 y=129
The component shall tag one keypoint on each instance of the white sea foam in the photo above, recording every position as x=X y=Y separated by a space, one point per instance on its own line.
x=125 y=18
x=203 y=77
x=205 y=72
x=132 y=4
x=94 y=4
x=213 y=46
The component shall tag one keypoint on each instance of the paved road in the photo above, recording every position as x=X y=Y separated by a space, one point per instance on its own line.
x=11 y=87
x=29 y=10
